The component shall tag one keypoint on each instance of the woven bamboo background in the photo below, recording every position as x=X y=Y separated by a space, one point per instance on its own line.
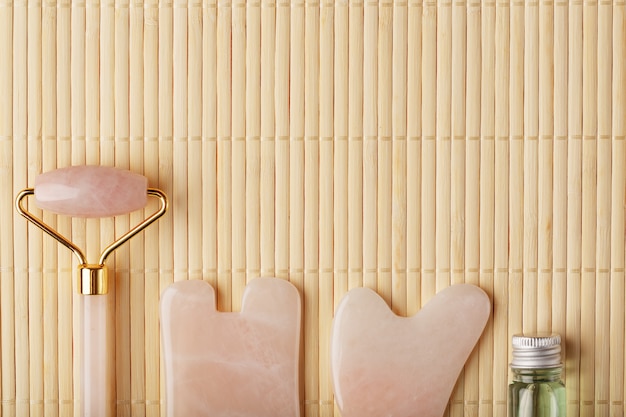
x=404 y=146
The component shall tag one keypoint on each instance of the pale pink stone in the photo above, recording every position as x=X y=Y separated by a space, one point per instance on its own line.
x=231 y=364
x=98 y=356
x=386 y=365
x=90 y=191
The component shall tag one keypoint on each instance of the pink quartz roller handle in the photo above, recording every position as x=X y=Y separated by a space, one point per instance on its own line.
x=98 y=356
x=94 y=191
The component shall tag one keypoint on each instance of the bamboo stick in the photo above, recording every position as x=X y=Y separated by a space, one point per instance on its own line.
x=473 y=146
x=78 y=108
x=461 y=205
x=341 y=127
x=239 y=152
x=486 y=253
x=296 y=168
x=78 y=27
x=165 y=115
x=443 y=132
x=6 y=36
x=129 y=83
x=502 y=55
x=10 y=146
x=398 y=230
x=559 y=235
x=143 y=309
x=91 y=156
x=50 y=247
x=429 y=130
x=471 y=160
x=603 y=283
x=603 y=222
x=101 y=150
x=268 y=132
x=530 y=165
x=341 y=141
x=589 y=209
x=311 y=212
x=194 y=139
x=209 y=141
x=7 y=275
x=617 y=215
x=116 y=112
x=20 y=282
x=459 y=208
x=574 y=208
x=33 y=294
x=253 y=140
x=151 y=235
x=443 y=145
x=616 y=336
x=132 y=34
x=342 y=144
x=341 y=118
x=370 y=143
x=296 y=150
x=413 y=159
x=516 y=171
x=559 y=281
x=66 y=274
x=224 y=152
x=326 y=191
x=283 y=21
x=152 y=340
x=384 y=156
x=355 y=144
x=545 y=221
x=6 y=126
x=92 y=101
x=180 y=192
x=105 y=138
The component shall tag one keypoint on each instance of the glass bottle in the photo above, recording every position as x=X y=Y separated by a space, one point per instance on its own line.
x=536 y=389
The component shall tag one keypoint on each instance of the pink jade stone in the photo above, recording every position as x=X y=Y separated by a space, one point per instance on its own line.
x=231 y=364
x=90 y=191
x=386 y=365
x=98 y=356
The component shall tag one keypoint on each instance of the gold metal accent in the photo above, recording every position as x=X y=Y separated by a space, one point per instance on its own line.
x=92 y=277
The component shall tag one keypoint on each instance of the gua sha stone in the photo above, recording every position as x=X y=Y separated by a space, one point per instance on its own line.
x=222 y=364
x=386 y=365
x=85 y=191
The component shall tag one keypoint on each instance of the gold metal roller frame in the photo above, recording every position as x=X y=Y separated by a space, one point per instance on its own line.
x=93 y=279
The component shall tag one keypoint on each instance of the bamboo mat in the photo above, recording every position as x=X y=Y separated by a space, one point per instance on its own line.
x=403 y=146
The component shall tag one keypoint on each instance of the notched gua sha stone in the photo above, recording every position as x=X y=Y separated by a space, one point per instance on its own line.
x=90 y=191
x=386 y=365
x=222 y=364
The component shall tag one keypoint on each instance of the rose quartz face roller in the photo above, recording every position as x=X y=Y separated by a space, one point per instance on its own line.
x=93 y=191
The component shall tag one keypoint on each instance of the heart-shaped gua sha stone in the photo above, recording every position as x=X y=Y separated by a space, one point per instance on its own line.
x=386 y=365
x=231 y=364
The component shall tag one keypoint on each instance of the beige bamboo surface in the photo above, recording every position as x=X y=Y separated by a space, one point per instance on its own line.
x=400 y=145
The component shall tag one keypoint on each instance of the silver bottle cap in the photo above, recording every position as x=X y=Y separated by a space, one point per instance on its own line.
x=531 y=351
